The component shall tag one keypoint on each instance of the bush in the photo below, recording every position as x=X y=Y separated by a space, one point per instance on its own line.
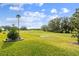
x=0 y=30
x=13 y=34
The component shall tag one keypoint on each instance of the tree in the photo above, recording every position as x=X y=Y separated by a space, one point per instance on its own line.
x=44 y=28
x=72 y=26
x=6 y=27
x=75 y=23
x=65 y=25
x=75 y=20
x=23 y=28
x=54 y=25
x=61 y=24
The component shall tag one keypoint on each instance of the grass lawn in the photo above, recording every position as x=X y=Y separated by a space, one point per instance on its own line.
x=39 y=43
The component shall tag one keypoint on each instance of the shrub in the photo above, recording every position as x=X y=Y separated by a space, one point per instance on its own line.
x=13 y=34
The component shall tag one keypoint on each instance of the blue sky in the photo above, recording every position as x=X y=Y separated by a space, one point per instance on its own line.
x=33 y=15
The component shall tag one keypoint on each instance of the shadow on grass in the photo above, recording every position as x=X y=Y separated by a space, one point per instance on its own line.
x=7 y=44
x=76 y=43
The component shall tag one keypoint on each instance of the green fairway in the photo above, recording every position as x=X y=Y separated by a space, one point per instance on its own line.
x=39 y=43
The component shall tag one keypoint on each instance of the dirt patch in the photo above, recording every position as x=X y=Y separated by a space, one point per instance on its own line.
x=76 y=43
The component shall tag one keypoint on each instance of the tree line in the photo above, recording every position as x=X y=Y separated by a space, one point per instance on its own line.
x=8 y=28
x=63 y=24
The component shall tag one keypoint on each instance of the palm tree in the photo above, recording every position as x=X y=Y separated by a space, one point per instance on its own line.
x=18 y=17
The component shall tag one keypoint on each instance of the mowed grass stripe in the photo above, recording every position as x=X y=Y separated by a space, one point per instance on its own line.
x=56 y=44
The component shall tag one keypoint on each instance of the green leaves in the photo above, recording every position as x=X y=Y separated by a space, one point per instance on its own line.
x=13 y=34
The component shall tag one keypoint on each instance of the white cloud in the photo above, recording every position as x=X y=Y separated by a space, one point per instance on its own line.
x=34 y=14
x=16 y=7
x=37 y=4
x=55 y=16
x=43 y=10
x=52 y=17
x=65 y=10
x=29 y=19
x=41 y=4
x=54 y=10
x=29 y=22
x=34 y=25
x=32 y=19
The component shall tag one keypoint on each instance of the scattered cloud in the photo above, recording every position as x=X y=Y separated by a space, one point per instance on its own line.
x=53 y=17
x=16 y=7
x=37 y=4
x=32 y=19
x=34 y=14
x=34 y=25
x=54 y=10
x=65 y=10
x=13 y=6
x=43 y=10
x=29 y=19
x=41 y=4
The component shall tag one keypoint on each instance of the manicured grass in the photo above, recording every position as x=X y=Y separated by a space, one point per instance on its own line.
x=39 y=43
